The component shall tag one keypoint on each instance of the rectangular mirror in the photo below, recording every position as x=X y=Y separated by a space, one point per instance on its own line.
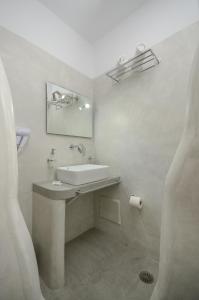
x=68 y=113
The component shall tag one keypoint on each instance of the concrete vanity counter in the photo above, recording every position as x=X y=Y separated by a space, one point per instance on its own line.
x=67 y=191
x=49 y=218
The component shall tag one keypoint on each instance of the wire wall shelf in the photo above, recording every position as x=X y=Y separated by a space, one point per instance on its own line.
x=140 y=63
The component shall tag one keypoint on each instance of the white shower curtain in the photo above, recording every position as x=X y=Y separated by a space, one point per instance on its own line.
x=179 y=248
x=19 y=278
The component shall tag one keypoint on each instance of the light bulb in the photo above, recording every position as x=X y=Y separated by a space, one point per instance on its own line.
x=87 y=105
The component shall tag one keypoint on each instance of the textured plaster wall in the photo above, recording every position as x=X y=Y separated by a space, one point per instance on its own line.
x=137 y=128
x=28 y=69
x=138 y=125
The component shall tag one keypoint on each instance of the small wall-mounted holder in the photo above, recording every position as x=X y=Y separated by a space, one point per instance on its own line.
x=136 y=202
x=140 y=48
x=22 y=136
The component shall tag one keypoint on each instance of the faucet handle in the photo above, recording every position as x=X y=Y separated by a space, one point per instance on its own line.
x=82 y=149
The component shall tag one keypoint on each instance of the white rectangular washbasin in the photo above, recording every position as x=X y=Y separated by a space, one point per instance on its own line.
x=81 y=174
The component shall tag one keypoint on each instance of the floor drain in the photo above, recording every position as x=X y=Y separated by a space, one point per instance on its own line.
x=146 y=277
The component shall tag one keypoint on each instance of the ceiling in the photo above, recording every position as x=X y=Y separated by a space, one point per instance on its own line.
x=92 y=19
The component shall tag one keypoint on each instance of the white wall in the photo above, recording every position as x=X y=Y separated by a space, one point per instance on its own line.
x=138 y=125
x=33 y=21
x=28 y=69
x=154 y=21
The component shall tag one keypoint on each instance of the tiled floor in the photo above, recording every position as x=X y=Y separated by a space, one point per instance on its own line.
x=99 y=267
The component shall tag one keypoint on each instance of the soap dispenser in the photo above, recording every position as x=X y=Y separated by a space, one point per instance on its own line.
x=51 y=159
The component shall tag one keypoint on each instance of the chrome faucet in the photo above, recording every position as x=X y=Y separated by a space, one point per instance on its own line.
x=80 y=147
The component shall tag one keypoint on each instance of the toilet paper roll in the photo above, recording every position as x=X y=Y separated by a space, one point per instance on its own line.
x=136 y=202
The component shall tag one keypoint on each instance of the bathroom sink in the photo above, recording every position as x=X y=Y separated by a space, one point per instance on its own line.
x=81 y=174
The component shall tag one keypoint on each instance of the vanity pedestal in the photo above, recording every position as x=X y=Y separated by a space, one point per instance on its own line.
x=49 y=204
